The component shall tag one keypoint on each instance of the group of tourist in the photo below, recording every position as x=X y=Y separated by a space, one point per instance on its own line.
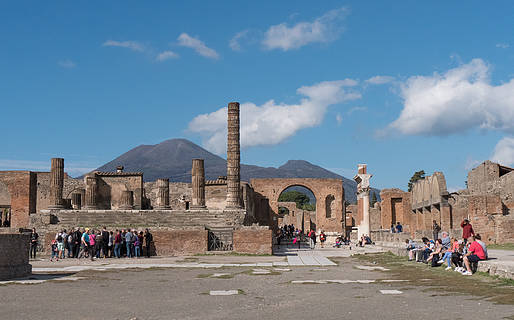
x=88 y=243
x=398 y=228
x=290 y=233
x=459 y=255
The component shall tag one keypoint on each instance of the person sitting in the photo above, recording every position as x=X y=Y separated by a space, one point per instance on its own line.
x=339 y=242
x=399 y=228
x=448 y=254
x=410 y=247
x=434 y=255
x=475 y=254
x=478 y=239
x=457 y=257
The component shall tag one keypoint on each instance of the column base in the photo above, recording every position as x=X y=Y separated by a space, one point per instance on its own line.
x=56 y=207
x=162 y=208
x=126 y=208
x=90 y=208
x=197 y=207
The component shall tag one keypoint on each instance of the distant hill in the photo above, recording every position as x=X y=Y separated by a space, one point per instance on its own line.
x=172 y=159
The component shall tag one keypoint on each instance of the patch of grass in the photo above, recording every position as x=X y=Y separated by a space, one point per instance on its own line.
x=360 y=297
x=240 y=291
x=271 y=273
x=443 y=282
x=505 y=246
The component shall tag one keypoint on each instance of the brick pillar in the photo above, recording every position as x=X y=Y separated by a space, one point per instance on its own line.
x=91 y=191
x=233 y=158
x=56 y=184
x=126 y=200
x=198 y=184
x=163 y=196
x=76 y=200
x=446 y=221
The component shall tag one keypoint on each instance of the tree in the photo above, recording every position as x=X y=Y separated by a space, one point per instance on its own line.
x=373 y=200
x=418 y=175
x=301 y=199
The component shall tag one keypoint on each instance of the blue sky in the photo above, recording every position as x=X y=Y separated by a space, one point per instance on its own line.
x=401 y=86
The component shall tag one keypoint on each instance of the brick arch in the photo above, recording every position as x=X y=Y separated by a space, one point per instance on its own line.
x=271 y=189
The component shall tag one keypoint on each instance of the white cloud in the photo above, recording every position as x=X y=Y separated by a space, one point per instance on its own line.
x=339 y=119
x=323 y=29
x=379 y=80
x=471 y=163
x=356 y=109
x=272 y=123
x=132 y=45
x=186 y=40
x=502 y=45
x=67 y=64
x=72 y=168
x=504 y=152
x=234 y=42
x=456 y=101
x=163 y=56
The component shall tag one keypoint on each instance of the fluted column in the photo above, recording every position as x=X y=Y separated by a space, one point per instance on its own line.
x=127 y=200
x=91 y=191
x=56 y=184
x=163 y=197
x=233 y=158
x=76 y=200
x=198 y=184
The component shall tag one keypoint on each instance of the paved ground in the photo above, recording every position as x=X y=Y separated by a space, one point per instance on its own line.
x=352 y=289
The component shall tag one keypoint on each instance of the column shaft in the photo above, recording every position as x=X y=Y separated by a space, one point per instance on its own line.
x=163 y=199
x=91 y=191
x=56 y=184
x=233 y=158
x=126 y=200
x=198 y=184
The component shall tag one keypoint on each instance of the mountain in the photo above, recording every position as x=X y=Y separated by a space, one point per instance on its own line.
x=172 y=159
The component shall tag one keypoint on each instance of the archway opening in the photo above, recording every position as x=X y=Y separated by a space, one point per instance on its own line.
x=301 y=204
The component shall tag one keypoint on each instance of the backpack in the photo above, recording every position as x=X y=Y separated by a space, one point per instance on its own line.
x=59 y=238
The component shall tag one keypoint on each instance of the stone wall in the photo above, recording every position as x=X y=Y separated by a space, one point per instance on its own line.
x=18 y=189
x=43 y=189
x=14 y=256
x=180 y=242
x=111 y=187
x=253 y=240
x=395 y=207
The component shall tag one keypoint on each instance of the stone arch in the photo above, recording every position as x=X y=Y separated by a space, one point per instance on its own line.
x=271 y=189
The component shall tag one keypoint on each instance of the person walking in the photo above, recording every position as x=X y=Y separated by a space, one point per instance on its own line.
x=322 y=238
x=435 y=230
x=34 y=239
x=312 y=239
x=148 y=242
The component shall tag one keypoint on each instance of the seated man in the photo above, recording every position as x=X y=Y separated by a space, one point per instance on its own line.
x=411 y=248
x=475 y=254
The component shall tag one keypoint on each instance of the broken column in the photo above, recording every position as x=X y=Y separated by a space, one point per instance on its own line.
x=76 y=200
x=91 y=191
x=198 y=184
x=362 y=179
x=163 y=196
x=233 y=158
x=56 y=184
x=126 y=200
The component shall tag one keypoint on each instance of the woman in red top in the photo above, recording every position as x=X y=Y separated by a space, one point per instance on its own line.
x=467 y=230
x=475 y=254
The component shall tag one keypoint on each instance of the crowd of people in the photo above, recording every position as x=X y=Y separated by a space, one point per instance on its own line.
x=460 y=255
x=89 y=243
x=290 y=233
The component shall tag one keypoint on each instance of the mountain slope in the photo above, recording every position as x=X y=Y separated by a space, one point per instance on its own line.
x=172 y=159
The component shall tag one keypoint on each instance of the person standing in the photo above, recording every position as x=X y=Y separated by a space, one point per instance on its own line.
x=105 y=242
x=467 y=230
x=117 y=244
x=399 y=228
x=128 y=239
x=77 y=241
x=110 y=245
x=312 y=239
x=33 y=243
x=322 y=238
x=148 y=242
x=435 y=230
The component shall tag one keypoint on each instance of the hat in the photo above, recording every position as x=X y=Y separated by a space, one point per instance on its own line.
x=87 y=229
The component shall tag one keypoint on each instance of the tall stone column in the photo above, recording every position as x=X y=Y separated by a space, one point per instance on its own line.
x=91 y=191
x=56 y=184
x=233 y=158
x=76 y=200
x=198 y=184
x=163 y=197
x=362 y=179
x=126 y=200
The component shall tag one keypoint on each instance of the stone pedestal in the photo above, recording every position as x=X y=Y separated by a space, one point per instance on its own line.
x=163 y=198
x=14 y=260
x=233 y=158
x=76 y=200
x=198 y=185
x=91 y=191
x=127 y=200
x=56 y=184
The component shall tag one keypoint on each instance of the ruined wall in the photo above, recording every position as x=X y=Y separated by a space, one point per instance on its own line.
x=492 y=178
x=396 y=207
x=374 y=217
x=326 y=191
x=43 y=189
x=429 y=191
x=253 y=240
x=22 y=200
x=110 y=188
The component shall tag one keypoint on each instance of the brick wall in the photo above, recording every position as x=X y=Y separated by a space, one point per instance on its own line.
x=253 y=241
x=180 y=242
x=18 y=187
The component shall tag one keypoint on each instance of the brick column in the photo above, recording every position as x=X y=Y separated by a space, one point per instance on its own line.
x=163 y=200
x=233 y=158
x=76 y=200
x=126 y=200
x=198 y=184
x=91 y=191
x=56 y=184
